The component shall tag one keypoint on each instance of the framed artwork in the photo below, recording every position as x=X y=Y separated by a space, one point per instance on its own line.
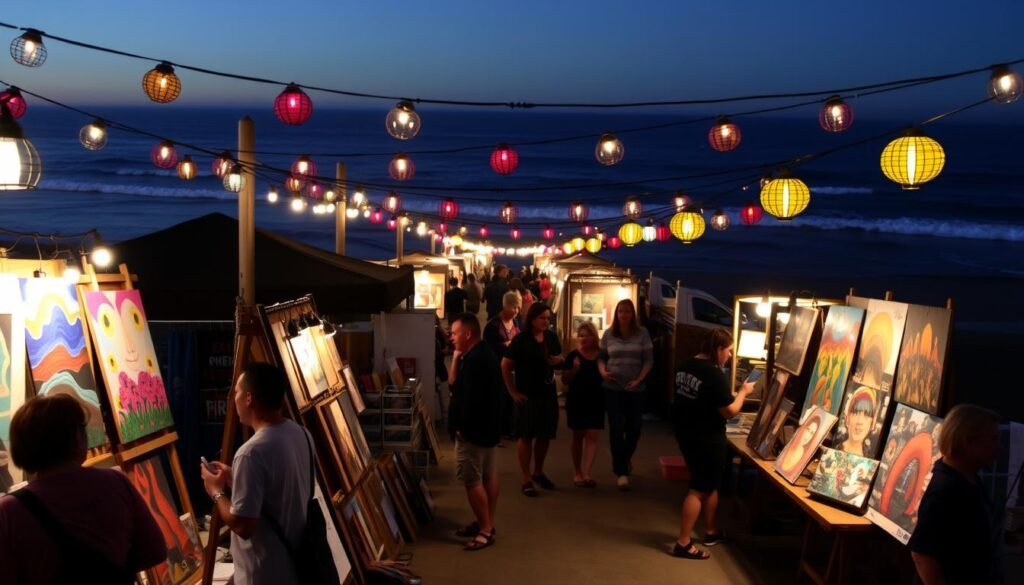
x=424 y=513
x=399 y=497
x=308 y=360
x=341 y=439
x=12 y=373
x=923 y=357
x=124 y=346
x=880 y=343
x=796 y=338
x=377 y=493
x=592 y=303
x=597 y=320
x=432 y=440
x=330 y=361
x=288 y=364
x=766 y=411
x=184 y=550
x=362 y=447
x=342 y=563
x=835 y=359
x=767 y=447
x=843 y=478
x=357 y=524
x=795 y=456
x=861 y=419
x=906 y=468
x=58 y=350
x=353 y=388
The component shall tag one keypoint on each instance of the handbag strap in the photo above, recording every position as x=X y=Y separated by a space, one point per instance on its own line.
x=273 y=523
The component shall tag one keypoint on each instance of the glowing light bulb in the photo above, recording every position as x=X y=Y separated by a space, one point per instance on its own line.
x=764 y=308
x=272 y=195
x=298 y=204
x=101 y=256
x=71 y=275
x=352 y=212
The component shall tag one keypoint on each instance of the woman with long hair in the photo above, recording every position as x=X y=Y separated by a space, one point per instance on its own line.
x=627 y=356
x=528 y=372
x=584 y=403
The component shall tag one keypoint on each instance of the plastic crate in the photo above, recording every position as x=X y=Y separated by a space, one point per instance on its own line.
x=673 y=468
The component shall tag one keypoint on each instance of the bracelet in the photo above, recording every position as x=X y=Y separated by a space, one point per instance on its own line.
x=217 y=496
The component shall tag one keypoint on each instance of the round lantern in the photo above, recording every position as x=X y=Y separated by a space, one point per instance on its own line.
x=448 y=209
x=650 y=233
x=15 y=102
x=632 y=208
x=751 y=213
x=504 y=159
x=292 y=106
x=401 y=168
x=421 y=229
x=294 y=183
x=785 y=197
x=593 y=245
x=578 y=211
x=442 y=228
x=687 y=226
x=313 y=190
x=377 y=215
x=1004 y=86
x=719 y=220
x=402 y=122
x=568 y=248
x=161 y=84
x=509 y=212
x=164 y=155
x=304 y=167
x=20 y=167
x=587 y=229
x=681 y=200
x=836 y=115
x=330 y=195
x=272 y=195
x=724 y=136
x=578 y=244
x=457 y=241
x=93 y=136
x=298 y=203
x=28 y=49
x=234 y=180
x=599 y=234
x=484 y=231
x=515 y=233
x=663 y=234
x=609 y=150
x=187 y=168
x=222 y=164
x=392 y=203
x=548 y=233
x=463 y=230
x=631 y=233
x=392 y=223
x=613 y=242
x=912 y=160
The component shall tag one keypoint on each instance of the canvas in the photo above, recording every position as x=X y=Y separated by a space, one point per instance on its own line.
x=766 y=411
x=124 y=348
x=353 y=388
x=795 y=456
x=362 y=448
x=923 y=357
x=334 y=542
x=906 y=469
x=395 y=372
x=880 y=343
x=592 y=303
x=843 y=477
x=343 y=441
x=184 y=554
x=861 y=421
x=597 y=320
x=795 y=339
x=835 y=359
x=308 y=360
x=288 y=364
x=329 y=360
x=12 y=372
x=766 y=448
x=58 y=353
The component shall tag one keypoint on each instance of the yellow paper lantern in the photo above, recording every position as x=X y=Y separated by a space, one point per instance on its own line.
x=567 y=248
x=912 y=160
x=631 y=233
x=578 y=243
x=593 y=245
x=785 y=197
x=457 y=240
x=687 y=226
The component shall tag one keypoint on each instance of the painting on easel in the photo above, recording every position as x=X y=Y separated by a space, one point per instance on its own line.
x=12 y=372
x=880 y=343
x=862 y=416
x=922 y=357
x=835 y=358
x=795 y=339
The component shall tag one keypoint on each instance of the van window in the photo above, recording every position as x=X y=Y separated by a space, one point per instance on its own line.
x=668 y=291
x=704 y=310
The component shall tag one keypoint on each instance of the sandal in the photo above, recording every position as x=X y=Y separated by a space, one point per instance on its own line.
x=470 y=530
x=528 y=490
x=579 y=482
x=713 y=538
x=480 y=541
x=690 y=551
x=590 y=483
x=543 y=480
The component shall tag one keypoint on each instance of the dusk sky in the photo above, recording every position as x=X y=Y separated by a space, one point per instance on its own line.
x=530 y=50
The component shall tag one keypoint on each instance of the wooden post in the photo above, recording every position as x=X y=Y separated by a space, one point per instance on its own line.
x=433 y=245
x=247 y=213
x=340 y=212
x=399 y=240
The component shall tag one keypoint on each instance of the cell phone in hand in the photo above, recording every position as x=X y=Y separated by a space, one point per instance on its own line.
x=754 y=376
x=207 y=465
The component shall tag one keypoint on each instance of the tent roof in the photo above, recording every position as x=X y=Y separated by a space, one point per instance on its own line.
x=190 y=272
x=583 y=258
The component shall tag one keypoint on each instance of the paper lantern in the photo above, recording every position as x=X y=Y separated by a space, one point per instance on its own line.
x=650 y=233
x=687 y=226
x=448 y=209
x=401 y=168
x=504 y=159
x=515 y=233
x=234 y=179
x=402 y=122
x=593 y=245
x=632 y=208
x=785 y=197
x=20 y=167
x=751 y=213
x=272 y=195
x=588 y=229
x=724 y=136
x=186 y=168
x=292 y=106
x=93 y=136
x=613 y=242
x=509 y=212
x=568 y=248
x=836 y=115
x=631 y=233
x=164 y=155
x=442 y=227
x=609 y=150
x=377 y=215
x=161 y=84
x=663 y=234
x=578 y=244
x=294 y=183
x=578 y=211
x=304 y=167
x=681 y=200
x=28 y=49
x=392 y=202
x=392 y=223
x=221 y=164
x=719 y=220
x=1004 y=86
x=912 y=160
x=548 y=233
x=15 y=102
x=484 y=231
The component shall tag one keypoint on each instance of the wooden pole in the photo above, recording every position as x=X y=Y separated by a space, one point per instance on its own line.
x=247 y=213
x=340 y=212
x=399 y=240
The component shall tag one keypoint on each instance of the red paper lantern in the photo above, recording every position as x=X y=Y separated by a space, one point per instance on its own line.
x=448 y=209
x=164 y=155
x=392 y=203
x=509 y=212
x=751 y=213
x=292 y=106
x=724 y=135
x=442 y=227
x=393 y=223
x=836 y=115
x=613 y=242
x=504 y=159
x=548 y=233
x=15 y=102
x=515 y=233
x=484 y=231
x=377 y=215
x=222 y=164
x=304 y=167
x=401 y=168
x=588 y=229
x=662 y=233
x=578 y=211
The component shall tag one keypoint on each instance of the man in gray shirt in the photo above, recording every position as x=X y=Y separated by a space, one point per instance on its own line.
x=268 y=477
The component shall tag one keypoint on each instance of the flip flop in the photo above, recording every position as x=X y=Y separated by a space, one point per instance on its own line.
x=478 y=544
x=690 y=551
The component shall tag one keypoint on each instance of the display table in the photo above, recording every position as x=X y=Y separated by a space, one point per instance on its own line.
x=843 y=526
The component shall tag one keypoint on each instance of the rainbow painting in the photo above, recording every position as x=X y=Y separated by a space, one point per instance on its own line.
x=835 y=358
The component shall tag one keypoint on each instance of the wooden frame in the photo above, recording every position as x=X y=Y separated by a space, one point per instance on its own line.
x=796 y=339
x=389 y=475
x=353 y=387
x=349 y=411
x=336 y=428
x=385 y=514
x=769 y=403
x=432 y=440
x=411 y=487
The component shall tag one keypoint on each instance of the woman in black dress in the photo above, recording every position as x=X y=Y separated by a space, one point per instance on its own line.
x=584 y=404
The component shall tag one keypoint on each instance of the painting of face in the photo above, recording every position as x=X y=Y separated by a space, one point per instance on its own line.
x=798 y=453
x=835 y=356
x=843 y=477
x=922 y=357
x=120 y=333
x=880 y=343
x=861 y=419
x=796 y=338
x=12 y=372
x=57 y=349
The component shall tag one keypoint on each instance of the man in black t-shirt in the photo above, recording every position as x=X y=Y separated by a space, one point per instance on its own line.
x=495 y=291
x=454 y=301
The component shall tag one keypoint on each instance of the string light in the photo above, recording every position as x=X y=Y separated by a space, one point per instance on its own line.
x=681 y=201
x=504 y=159
x=509 y=212
x=330 y=196
x=609 y=150
x=15 y=102
x=401 y=168
x=463 y=230
x=93 y=136
x=392 y=223
x=161 y=84
x=912 y=160
x=836 y=115
x=377 y=215
x=298 y=203
x=164 y=155
x=632 y=208
x=221 y=164
x=484 y=231
x=421 y=229
x=687 y=226
x=292 y=106
x=392 y=202
x=1004 y=86
x=785 y=197
x=719 y=220
x=101 y=255
x=186 y=168
x=402 y=122
x=578 y=211
x=313 y=190
x=272 y=195
x=20 y=167
x=28 y=49
x=548 y=233
x=724 y=136
x=359 y=196
x=515 y=232
x=234 y=180
x=351 y=212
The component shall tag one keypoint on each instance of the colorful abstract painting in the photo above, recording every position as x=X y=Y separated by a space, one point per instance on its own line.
x=795 y=456
x=12 y=373
x=184 y=552
x=58 y=350
x=906 y=469
x=835 y=358
x=861 y=421
x=795 y=339
x=922 y=357
x=842 y=477
x=120 y=334
x=880 y=343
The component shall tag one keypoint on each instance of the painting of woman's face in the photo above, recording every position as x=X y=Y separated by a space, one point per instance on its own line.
x=809 y=431
x=859 y=425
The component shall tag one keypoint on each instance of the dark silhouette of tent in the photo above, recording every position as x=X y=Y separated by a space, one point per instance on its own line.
x=582 y=258
x=189 y=272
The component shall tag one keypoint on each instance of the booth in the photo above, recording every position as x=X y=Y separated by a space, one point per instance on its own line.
x=430 y=274
x=590 y=295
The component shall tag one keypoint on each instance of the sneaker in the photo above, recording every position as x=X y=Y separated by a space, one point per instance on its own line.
x=713 y=538
x=623 y=482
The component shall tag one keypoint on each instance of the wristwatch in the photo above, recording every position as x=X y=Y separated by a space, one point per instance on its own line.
x=217 y=496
